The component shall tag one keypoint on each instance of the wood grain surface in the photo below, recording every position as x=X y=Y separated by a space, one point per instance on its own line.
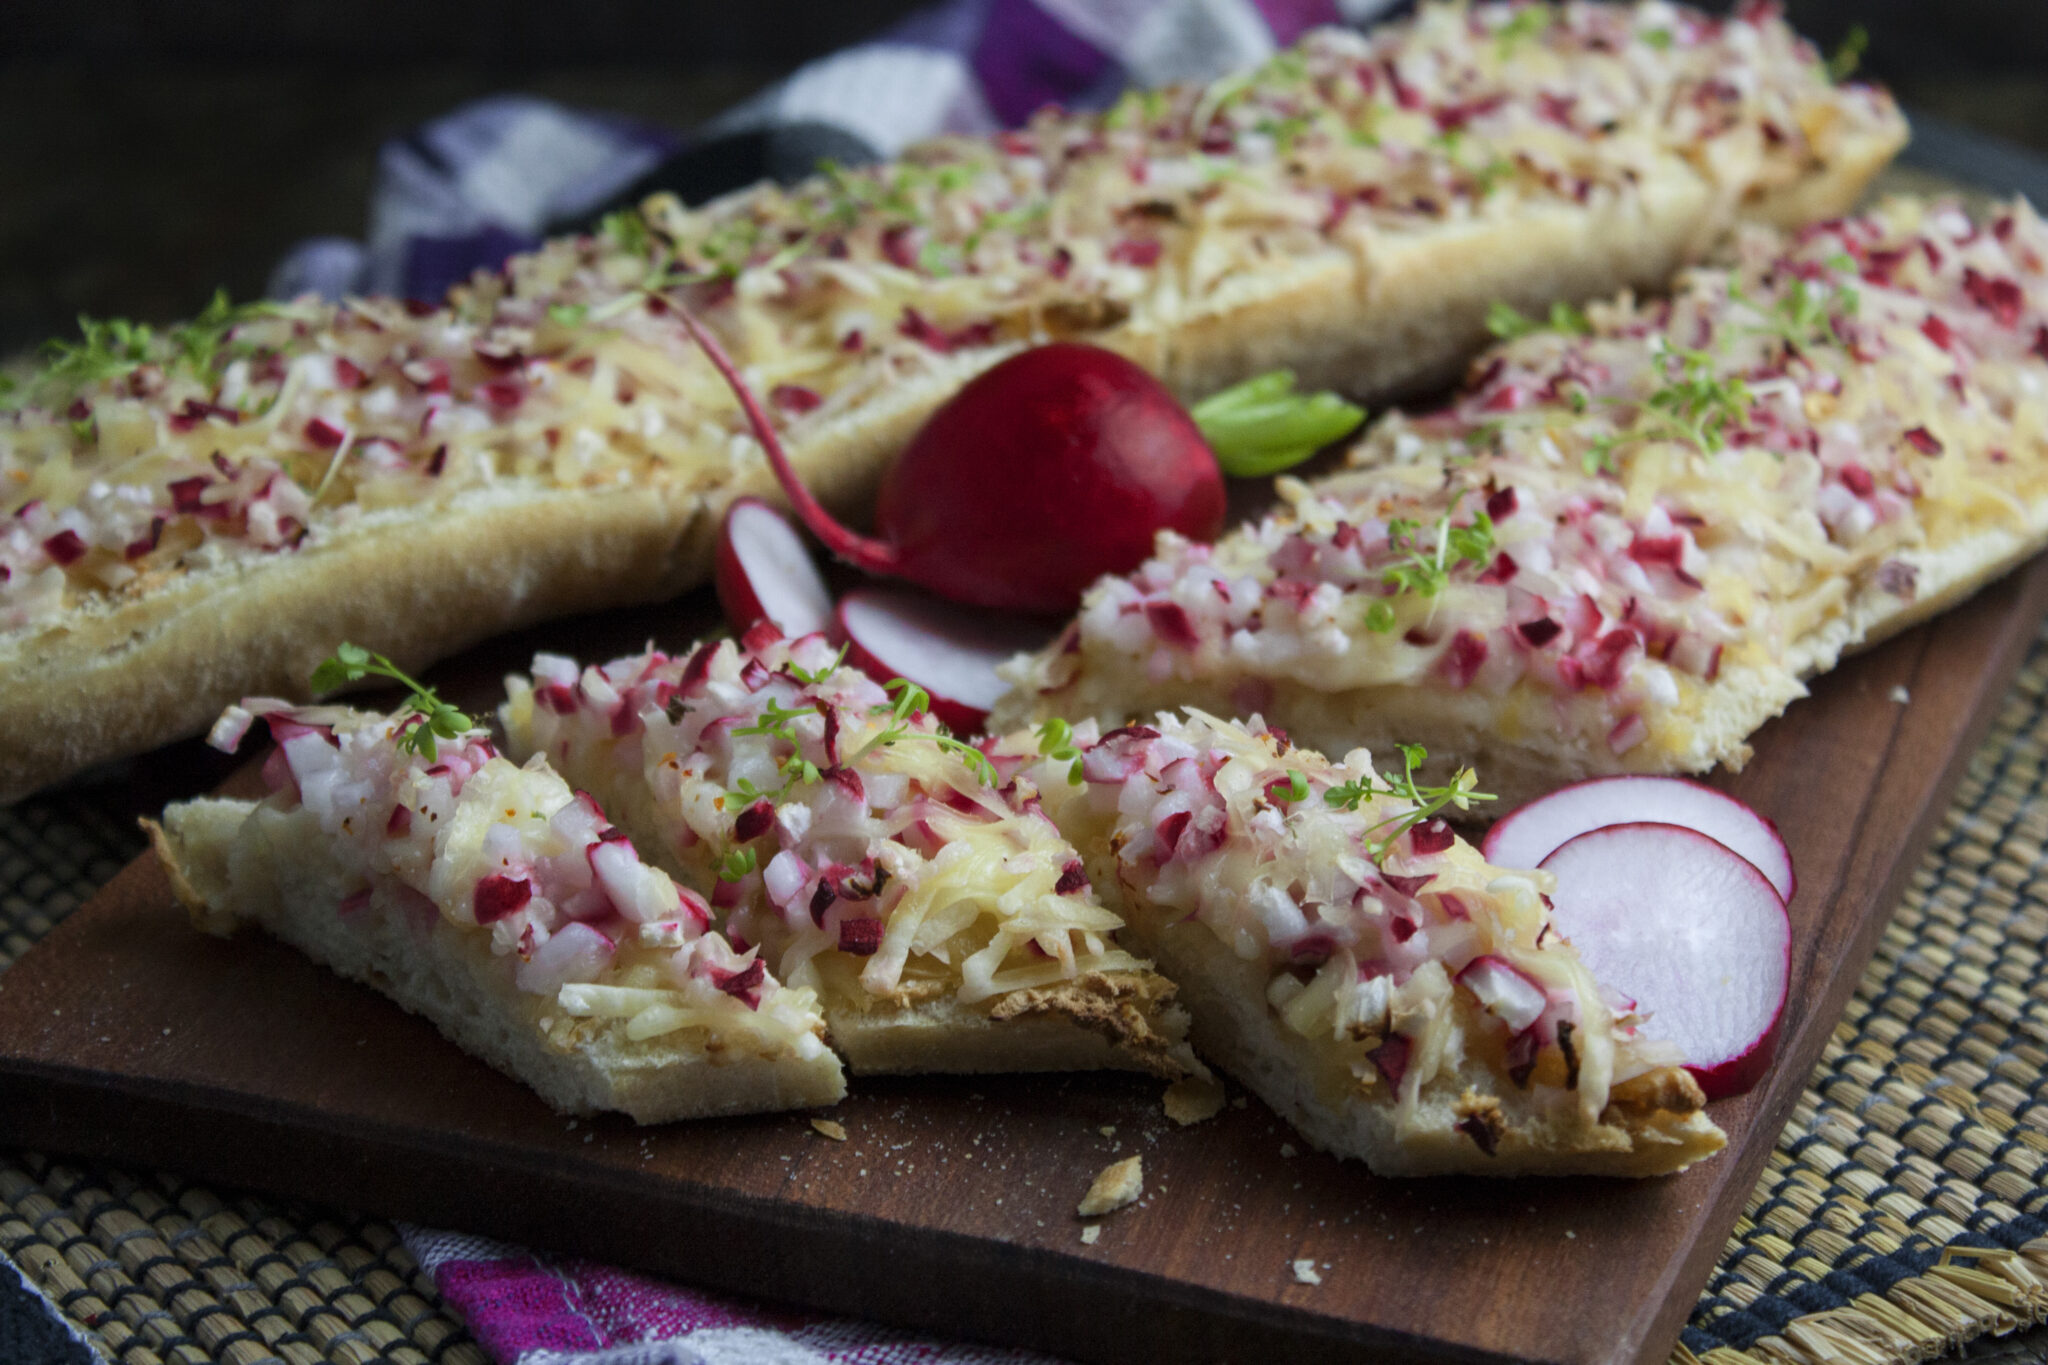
x=950 y=1206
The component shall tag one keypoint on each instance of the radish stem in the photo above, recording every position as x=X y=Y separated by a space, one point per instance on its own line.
x=863 y=552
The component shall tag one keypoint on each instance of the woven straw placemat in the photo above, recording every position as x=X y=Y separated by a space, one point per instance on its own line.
x=1904 y=1212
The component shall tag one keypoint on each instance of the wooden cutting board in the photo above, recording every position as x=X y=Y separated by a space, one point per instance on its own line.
x=950 y=1206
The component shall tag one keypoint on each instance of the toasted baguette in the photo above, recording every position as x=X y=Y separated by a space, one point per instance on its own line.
x=329 y=865
x=664 y=743
x=1643 y=594
x=1303 y=937
x=282 y=876
x=164 y=605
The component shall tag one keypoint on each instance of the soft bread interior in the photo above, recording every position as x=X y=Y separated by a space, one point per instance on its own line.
x=231 y=862
x=1107 y=1021
x=1123 y=1021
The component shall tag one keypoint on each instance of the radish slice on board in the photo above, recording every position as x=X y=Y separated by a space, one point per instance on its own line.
x=1526 y=837
x=949 y=651
x=765 y=571
x=1692 y=932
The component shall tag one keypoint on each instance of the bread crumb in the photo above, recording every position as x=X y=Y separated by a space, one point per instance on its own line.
x=1118 y=1184
x=1107 y=1130
x=1569 y=1233
x=1287 y=1149
x=1901 y=695
x=1305 y=1273
x=1191 y=1099
x=827 y=1128
x=1090 y=1233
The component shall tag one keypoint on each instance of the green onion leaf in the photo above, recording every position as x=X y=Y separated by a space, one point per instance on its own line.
x=1263 y=426
x=1506 y=321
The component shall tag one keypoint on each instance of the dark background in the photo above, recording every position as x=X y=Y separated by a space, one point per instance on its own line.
x=150 y=151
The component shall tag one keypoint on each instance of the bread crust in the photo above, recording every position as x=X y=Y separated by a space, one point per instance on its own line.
x=281 y=880
x=1104 y=1021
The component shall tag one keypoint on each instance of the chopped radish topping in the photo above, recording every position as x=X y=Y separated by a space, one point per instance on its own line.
x=499 y=895
x=575 y=952
x=860 y=937
x=1505 y=991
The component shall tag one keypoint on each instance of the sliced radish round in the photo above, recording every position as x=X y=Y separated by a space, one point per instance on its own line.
x=1692 y=932
x=949 y=651
x=765 y=572
x=1527 y=837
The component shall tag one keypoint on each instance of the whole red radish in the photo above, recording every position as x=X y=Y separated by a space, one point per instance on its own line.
x=1050 y=469
x=1045 y=472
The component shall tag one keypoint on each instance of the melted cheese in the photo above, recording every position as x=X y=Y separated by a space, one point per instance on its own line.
x=960 y=878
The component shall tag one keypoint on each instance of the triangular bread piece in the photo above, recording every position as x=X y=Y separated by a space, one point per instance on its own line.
x=1359 y=967
x=942 y=920
x=502 y=906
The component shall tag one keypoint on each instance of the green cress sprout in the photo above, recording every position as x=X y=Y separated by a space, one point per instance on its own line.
x=1427 y=801
x=1056 y=742
x=912 y=700
x=1842 y=65
x=113 y=348
x=909 y=700
x=1428 y=558
x=1263 y=426
x=433 y=717
x=1507 y=322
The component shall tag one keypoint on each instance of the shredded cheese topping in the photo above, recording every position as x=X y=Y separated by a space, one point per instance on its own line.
x=1612 y=512
x=871 y=860
x=511 y=854
x=263 y=430
x=1401 y=966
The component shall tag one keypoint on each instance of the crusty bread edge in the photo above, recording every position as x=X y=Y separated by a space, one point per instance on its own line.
x=451 y=979
x=1104 y=1021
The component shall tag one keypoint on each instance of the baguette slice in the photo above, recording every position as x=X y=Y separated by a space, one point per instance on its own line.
x=1361 y=970
x=503 y=907
x=1625 y=544
x=939 y=917
x=197 y=515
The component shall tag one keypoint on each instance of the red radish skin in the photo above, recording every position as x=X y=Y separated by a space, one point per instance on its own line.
x=1050 y=469
x=951 y=653
x=1526 y=837
x=765 y=572
x=1688 y=929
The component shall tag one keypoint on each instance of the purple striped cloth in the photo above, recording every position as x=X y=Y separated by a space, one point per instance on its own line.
x=497 y=176
x=490 y=179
